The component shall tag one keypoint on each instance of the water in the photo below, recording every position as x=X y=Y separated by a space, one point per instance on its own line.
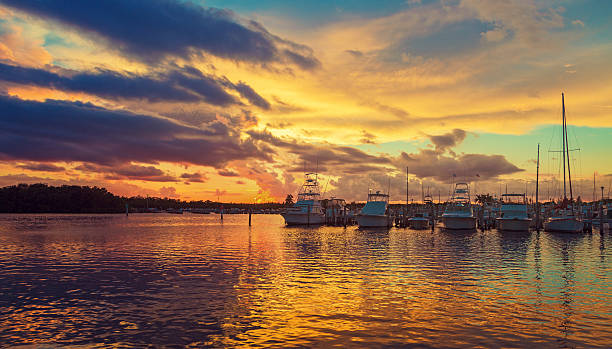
x=187 y=280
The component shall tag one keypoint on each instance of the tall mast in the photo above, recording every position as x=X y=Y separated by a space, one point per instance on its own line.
x=537 y=207
x=569 y=171
x=407 y=185
x=563 y=139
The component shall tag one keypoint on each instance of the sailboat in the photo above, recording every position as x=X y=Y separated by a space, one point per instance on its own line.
x=566 y=218
x=307 y=209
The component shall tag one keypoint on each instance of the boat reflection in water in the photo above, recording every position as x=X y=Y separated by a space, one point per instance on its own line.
x=188 y=280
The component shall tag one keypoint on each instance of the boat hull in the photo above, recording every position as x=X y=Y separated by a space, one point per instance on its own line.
x=513 y=224
x=564 y=225
x=301 y=218
x=418 y=223
x=459 y=223
x=372 y=221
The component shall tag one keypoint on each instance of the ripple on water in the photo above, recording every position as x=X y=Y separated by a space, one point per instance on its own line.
x=188 y=280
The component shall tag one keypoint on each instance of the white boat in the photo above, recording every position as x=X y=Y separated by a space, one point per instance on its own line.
x=307 y=210
x=459 y=214
x=513 y=213
x=564 y=221
x=419 y=221
x=374 y=213
x=567 y=218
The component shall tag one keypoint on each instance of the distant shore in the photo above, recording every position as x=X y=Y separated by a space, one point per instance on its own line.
x=43 y=198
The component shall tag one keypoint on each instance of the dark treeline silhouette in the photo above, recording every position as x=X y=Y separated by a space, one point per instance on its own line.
x=43 y=198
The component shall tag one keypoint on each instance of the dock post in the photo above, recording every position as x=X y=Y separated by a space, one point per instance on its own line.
x=127 y=210
x=221 y=212
x=308 y=216
x=250 y=211
x=344 y=217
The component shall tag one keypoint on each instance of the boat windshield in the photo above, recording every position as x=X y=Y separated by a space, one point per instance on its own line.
x=513 y=199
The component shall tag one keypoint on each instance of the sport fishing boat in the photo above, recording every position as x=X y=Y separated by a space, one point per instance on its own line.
x=422 y=219
x=513 y=213
x=374 y=213
x=566 y=217
x=307 y=210
x=419 y=221
x=459 y=214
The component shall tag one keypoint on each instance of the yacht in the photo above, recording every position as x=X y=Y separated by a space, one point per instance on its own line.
x=459 y=214
x=566 y=218
x=374 y=213
x=421 y=219
x=513 y=213
x=307 y=210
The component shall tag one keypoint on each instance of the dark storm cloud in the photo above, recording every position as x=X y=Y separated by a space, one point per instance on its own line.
x=73 y=131
x=154 y=29
x=185 y=84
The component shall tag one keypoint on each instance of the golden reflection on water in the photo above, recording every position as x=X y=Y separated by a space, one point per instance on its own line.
x=190 y=280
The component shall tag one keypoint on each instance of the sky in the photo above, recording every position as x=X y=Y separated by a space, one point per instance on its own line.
x=234 y=100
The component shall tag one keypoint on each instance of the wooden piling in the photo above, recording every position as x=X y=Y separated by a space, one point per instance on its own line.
x=250 y=211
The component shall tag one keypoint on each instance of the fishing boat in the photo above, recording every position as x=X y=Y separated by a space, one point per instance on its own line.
x=566 y=217
x=307 y=210
x=459 y=214
x=374 y=213
x=422 y=219
x=513 y=213
x=419 y=221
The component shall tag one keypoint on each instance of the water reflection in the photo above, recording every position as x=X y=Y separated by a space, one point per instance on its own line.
x=191 y=281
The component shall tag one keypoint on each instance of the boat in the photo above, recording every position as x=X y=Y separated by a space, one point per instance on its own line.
x=459 y=214
x=566 y=217
x=419 y=221
x=336 y=211
x=307 y=210
x=513 y=213
x=175 y=210
x=422 y=219
x=374 y=214
x=201 y=210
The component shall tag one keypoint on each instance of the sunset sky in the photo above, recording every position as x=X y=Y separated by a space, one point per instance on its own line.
x=234 y=99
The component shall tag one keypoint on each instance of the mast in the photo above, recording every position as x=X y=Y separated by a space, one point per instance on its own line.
x=537 y=208
x=569 y=171
x=563 y=140
x=407 y=185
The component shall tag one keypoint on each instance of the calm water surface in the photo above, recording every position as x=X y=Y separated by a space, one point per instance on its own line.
x=188 y=280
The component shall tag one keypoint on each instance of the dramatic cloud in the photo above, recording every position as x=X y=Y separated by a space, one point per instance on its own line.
x=196 y=177
x=342 y=158
x=155 y=29
x=129 y=172
x=448 y=140
x=41 y=167
x=179 y=85
x=67 y=131
x=429 y=163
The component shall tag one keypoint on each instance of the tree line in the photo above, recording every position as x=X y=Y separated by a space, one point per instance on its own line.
x=43 y=198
